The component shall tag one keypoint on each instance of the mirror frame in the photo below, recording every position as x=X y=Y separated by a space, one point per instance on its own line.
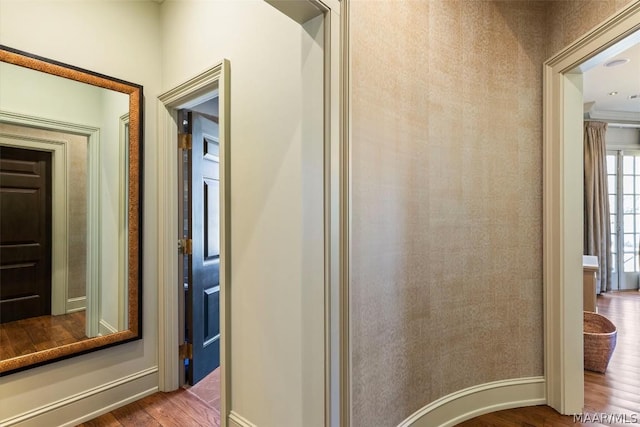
x=135 y=92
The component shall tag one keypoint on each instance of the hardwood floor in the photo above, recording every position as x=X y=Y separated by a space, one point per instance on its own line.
x=208 y=390
x=615 y=392
x=186 y=407
x=27 y=336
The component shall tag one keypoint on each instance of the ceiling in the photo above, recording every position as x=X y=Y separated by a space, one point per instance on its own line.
x=607 y=89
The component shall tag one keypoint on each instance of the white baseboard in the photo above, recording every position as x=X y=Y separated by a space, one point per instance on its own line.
x=477 y=400
x=76 y=304
x=236 y=420
x=81 y=407
x=106 y=328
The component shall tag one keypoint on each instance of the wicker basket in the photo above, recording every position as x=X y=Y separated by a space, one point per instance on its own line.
x=599 y=341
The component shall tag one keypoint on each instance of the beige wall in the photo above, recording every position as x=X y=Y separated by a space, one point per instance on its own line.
x=447 y=179
x=276 y=291
x=118 y=39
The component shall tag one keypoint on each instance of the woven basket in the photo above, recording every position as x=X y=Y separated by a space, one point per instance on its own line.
x=599 y=341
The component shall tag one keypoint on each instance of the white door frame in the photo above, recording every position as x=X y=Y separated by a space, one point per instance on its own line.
x=60 y=303
x=562 y=207
x=213 y=79
x=336 y=219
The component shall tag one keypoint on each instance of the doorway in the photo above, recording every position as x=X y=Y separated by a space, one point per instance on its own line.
x=563 y=206
x=199 y=230
x=25 y=220
x=203 y=96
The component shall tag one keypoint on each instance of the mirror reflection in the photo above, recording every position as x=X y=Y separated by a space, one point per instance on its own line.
x=69 y=211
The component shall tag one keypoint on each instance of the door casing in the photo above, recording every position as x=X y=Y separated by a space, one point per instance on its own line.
x=186 y=95
x=562 y=206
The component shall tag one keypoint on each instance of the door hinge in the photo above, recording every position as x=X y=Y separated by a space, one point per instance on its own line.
x=185 y=351
x=185 y=246
x=184 y=141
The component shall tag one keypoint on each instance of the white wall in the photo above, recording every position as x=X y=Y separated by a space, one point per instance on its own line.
x=312 y=162
x=114 y=105
x=276 y=199
x=34 y=93
x=118 y=39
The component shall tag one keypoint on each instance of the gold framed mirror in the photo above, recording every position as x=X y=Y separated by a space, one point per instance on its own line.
x=70 y=210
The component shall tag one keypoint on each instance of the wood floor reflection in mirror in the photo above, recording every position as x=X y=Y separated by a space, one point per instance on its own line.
x=40 y=333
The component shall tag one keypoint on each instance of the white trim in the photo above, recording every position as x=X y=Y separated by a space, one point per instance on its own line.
x=342 y=286
x=632 y=118
x=477 y=400
x=76 y=304
x=38 y=415
x=562 y=208
x=105 y=328
x=236 y=420
x=168 y=339
x=94 y=244
x=300 y=11
x=212 y=81
x=123 y=226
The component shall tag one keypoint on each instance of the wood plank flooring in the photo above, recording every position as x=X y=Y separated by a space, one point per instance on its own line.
x=186 y=407
x=616 y=392
x=27 y=336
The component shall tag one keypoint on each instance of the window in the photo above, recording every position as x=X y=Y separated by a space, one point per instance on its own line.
x=623 y=180
x=612 y=174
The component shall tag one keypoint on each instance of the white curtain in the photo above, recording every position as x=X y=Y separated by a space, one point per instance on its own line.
x=597 y=236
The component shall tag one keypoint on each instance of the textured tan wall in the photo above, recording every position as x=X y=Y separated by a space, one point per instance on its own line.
x=77 y=193
x=570 y=19
x=447 y=179
x=446 y=269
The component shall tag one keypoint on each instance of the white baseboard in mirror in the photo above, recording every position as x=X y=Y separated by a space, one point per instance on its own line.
x=236 y=420
x=106 y=328
x=76 y=304
x=478 y=400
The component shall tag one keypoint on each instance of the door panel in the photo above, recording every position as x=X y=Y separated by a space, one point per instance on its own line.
x=203 y=309
x=25 y=233
x=212 y=223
